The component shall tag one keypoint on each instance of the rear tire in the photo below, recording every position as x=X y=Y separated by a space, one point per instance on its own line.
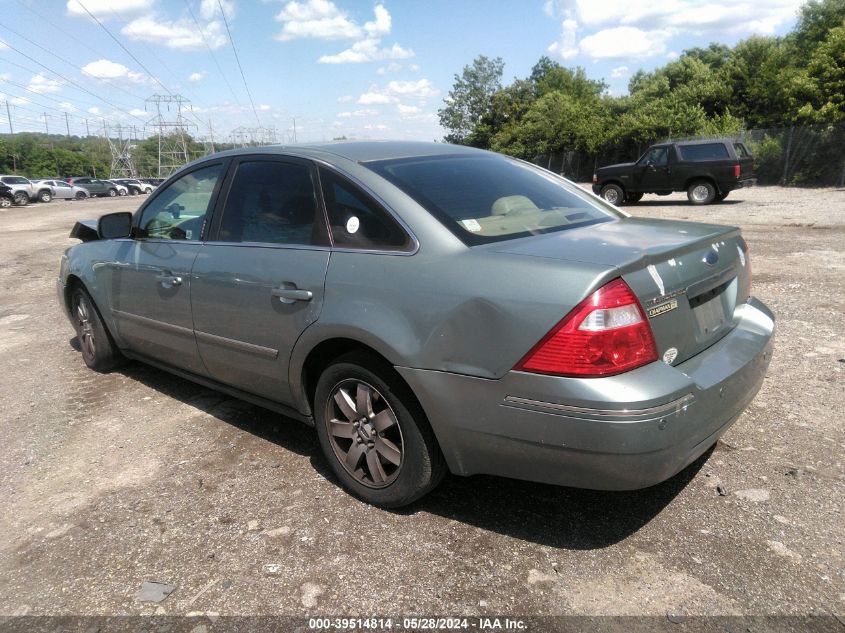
x=613 y=194
x=363 y=451
x=5 y=202
x=21 y=199
x=701 y=192
x=121 y=192
x=112 y=193
x=98 y=350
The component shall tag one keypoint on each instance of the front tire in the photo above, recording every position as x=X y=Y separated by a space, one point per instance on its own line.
x=701 y=192
x=374 y=433
x=80 y=195
x=5 y=202
x=45 y=196
x=613 y=194
x=21 y=198
x=98 y=350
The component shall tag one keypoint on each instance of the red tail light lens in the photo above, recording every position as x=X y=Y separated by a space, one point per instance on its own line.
x=605 y=334
x=736 y=171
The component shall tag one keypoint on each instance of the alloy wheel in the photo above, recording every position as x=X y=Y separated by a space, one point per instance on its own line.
x=84 y=327
x=364 y=433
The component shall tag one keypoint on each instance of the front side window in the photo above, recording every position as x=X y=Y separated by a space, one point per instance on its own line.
x=178 y=212
x=355 y=220
x=487 y=198
x=271 y=202
x=703 y=151
x=656 y=156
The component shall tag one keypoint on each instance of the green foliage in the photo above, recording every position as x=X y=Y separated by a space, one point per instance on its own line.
x=762 y=82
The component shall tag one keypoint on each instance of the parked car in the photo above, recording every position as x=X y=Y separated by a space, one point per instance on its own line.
x=122 y=190
x=95 y=186
x=707 y=170
x=64 y=190
x=431 y=307
x=24 y=190
x=7 y=196
x=135 y=186
x=153 y=181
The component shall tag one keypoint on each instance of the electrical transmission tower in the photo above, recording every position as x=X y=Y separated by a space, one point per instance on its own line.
x=121 y=156
x=172 y=130
x=253 y=136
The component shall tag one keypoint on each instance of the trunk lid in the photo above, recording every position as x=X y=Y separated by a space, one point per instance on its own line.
x=689 y=277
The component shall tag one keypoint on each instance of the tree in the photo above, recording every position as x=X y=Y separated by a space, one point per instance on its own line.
x=824 y=80
x=470 y=98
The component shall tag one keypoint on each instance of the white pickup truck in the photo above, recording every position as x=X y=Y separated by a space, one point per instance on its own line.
x=24 y=187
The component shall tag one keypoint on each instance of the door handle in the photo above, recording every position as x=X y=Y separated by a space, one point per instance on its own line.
x=169 y=280
x=292 y=295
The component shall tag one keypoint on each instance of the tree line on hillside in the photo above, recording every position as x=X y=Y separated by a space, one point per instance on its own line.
x=782 y=84
x=37 y=155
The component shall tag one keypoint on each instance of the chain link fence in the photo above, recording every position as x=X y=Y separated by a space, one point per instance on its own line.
x=798 y=156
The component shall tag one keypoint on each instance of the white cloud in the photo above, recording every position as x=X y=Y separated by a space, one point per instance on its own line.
x=381 y=25
x=376 y=126
x=105 y=9
x=139 y=112
x=366 y=51
x=42 y=85
x=322 y=19
x=67 y=106
x=179 y=34
x=264 y=107
x=392 y=67
x=106 y=69
x=95 y=111
x=672 y=55
x=19 y=101
x=197 y=76
x=358 y=113
x=566 y=47
x=209 y=9
x=420 y=89
x=624 y=42
x=407 y=109
x=375 y=98
x=620 y=72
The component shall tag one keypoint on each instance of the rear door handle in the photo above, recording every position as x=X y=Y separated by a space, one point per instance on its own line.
x=168 y=279
x=292 y=295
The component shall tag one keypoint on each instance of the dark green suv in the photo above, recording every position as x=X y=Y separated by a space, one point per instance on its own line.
x=95 y=187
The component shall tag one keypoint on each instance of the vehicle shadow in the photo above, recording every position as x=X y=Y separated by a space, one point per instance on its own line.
x=560 y=517
x=676 y=203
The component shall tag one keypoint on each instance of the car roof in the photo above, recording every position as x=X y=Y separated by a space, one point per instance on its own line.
x=360 y=151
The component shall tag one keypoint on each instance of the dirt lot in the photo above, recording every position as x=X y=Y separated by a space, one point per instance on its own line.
x=108 y=481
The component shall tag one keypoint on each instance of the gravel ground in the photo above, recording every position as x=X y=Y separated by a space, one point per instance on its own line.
x=109 y=481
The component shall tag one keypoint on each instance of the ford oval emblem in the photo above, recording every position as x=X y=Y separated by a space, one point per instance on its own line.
x=711 y=258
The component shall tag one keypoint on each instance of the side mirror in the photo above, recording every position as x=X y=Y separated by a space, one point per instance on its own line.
x=114 y=225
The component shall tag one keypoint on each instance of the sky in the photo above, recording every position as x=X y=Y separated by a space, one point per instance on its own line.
x=314 y=70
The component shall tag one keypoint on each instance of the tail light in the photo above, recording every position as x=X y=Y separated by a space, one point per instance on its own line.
x=736 y=171
x=606 y=334
x=595 y=178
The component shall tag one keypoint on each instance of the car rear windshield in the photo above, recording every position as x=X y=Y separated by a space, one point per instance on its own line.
x=704 y=151
x=484 y=199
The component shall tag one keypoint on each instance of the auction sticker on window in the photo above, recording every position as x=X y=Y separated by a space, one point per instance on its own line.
x=353 y=224
x=471 y=225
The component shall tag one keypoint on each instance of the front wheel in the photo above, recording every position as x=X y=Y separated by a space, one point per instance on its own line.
x=98 y=350
x=21 y=198
x=80 y=195
x=701 y=192
x=5 y=202
x=374 y=434
x=613 y=194
x=45 y=196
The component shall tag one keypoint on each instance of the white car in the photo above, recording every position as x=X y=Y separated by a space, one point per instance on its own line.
x=64 y=190
x=25 y=190
x=122 y=190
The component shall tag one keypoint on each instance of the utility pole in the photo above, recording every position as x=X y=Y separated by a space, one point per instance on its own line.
x=87 y=130
x=12 y=140
x=211 y=134
x=67 y=125
x=11 y=130
x=46 y=127
x=294 y=130
x=171 y=131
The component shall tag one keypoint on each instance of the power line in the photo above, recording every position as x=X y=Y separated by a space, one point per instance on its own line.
x=211 y=52
x=70 y=81
x=128 y=52
x=238 y=59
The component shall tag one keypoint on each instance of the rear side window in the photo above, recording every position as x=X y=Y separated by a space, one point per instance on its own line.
x=704 y=151
x=356 y=221
x=740 y=150
x=270 y=202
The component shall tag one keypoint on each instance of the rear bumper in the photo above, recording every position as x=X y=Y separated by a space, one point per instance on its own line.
x=616 y=433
